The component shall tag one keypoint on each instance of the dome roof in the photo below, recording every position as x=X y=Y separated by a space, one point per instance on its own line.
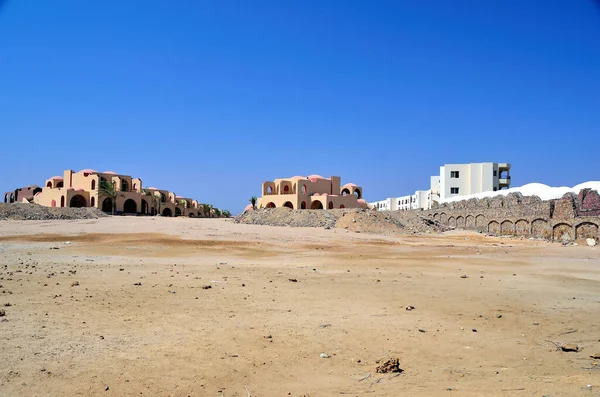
x=57 y=177
x=152 y=187
x=110 y=172
x=350 y=185
x=298 y=177
x=249 y=208
x=88 y=171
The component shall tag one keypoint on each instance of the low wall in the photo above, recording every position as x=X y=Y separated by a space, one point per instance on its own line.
x=572 y=217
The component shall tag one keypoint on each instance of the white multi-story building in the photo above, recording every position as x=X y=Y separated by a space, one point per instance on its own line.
x=454 y=180
x=465 y=179
x=419 y=200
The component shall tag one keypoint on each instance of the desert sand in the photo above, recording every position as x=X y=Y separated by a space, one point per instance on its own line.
x=121 y=307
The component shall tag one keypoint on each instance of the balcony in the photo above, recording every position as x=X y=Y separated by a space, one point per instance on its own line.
x=504 y=180
x=277 y=194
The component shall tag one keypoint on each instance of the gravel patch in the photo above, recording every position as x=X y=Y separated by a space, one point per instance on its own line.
x=22 y=211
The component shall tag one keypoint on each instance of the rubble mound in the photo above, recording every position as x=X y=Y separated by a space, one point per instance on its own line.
x=35 y=212
x=356 y=220
x=391 y=365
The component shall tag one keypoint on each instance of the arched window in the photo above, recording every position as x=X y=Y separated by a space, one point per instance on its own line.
x=93 y=201
x=163 y=198
x=60 y=184
x=53 y=204
x=93 y=185
x=62 y=201
x=49 y=184
x=135 y=187
x=124 y=185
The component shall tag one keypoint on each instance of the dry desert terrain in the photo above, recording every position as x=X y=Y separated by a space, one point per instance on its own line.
x=122 y=307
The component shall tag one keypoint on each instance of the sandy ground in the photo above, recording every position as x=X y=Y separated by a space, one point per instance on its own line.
x=256 y=333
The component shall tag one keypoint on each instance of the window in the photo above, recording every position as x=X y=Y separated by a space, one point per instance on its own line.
x=495 y=173
x=454 y=174
x=495 y=189
x=453 y=190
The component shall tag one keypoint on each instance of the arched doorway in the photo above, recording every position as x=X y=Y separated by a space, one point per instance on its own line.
x=192 y=215
x=53 y=203
x=271 y=205
x=107 y=205
x=288 y=205
x=77 y=201
x=167 y=212
x=286 y=189
x=303 y=205
x=342 y=206
x=177 y=211
x=62 y=201
x=144 y=207
x=316 y=205
x=92 y=202
x=130 y=206
x=330 y=205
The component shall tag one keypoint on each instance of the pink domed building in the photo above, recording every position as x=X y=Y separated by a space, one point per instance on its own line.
x=82 y=189
x=311 y=192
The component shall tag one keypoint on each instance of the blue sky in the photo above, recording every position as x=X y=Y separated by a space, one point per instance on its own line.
x=209 y=99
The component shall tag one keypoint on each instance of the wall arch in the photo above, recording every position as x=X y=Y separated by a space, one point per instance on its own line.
x=77 y=201
x=93 y=184
x=586 y=230
x=443 y=218
x=480 y=221
x=130 y=206
x=507 y=227
x=270 y=205
x=177 y=211
x=93 y=202
x=460 y=222
x=62 y=201
x=303 y=205
x=522 y=227
x=540 y=228
x=562 y=232
x=470 y=222
x=107 y=205
x=494 y=227
x=167 y=212
x=288 y=204
x=316 y=205
x=452 y=221
x=436 y=217
x=330 y=205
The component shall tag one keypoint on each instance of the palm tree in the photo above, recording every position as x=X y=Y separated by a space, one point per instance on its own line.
x=154 y=199
x=206 y=210
x=217 y=212
x=183 y=204
x=226 y=214
x=253 y=201
x=107 y=189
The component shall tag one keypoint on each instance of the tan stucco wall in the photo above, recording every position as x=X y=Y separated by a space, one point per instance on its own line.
x=85 y=183
x=326 y=191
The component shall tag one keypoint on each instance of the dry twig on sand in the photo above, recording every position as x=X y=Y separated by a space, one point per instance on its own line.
x=247 y=391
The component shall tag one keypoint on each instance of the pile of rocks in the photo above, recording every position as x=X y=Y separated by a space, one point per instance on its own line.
x=356 y=220
x=22 y=211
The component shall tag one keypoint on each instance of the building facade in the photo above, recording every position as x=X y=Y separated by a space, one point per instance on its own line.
x=454 y=180
x=465 y=179
x=312 y=192
x=82 y=189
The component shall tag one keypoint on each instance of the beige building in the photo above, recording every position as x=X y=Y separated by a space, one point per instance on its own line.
x=81 y=189
x=312 y=192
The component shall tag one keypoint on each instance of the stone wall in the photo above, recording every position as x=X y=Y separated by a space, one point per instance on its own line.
x=573 y=217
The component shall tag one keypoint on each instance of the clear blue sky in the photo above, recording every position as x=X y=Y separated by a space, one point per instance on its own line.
x=209 y=99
